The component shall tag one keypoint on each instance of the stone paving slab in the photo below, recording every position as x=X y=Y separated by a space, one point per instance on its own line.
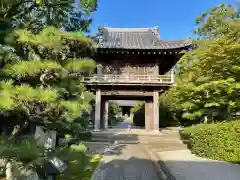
x=132 y=163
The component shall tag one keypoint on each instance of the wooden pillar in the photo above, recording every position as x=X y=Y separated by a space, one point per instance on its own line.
x=105 y=116
x=148 y=115
x=93 y=115
x=102 y=114
x=156 y=111
x=97 y=111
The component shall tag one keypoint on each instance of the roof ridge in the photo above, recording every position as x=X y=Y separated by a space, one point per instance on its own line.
x=136 y=38
x=111 y=29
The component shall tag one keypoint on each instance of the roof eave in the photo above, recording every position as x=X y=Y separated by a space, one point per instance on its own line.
x=147 y=49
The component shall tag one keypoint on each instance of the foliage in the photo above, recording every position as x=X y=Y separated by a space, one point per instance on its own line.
x=80 y=166
x=139 y=115
x=36 y=15
x=68 y=136
x=208 y=77
x=166 y=116
x=214 y=22
x=41 y=69
x=218 y=141
x=136 y=107
x=50 y=92
x=114 y=109
x=81 y=148
x=9 y=148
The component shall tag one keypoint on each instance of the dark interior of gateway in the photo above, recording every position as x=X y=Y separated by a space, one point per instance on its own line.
x=126 y=110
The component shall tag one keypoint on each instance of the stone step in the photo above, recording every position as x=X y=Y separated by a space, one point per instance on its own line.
x=156 y=139
x=99 y=140
x=96 y=143
x=130 y=138
x=160 y=141
x=165 y=145
x=142 y=134
x=168 y=149
x=144 y=141
x=159 y=137
x=136 y=135
x=120 y=141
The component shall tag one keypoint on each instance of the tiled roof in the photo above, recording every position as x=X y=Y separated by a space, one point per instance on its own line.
x=136 y=38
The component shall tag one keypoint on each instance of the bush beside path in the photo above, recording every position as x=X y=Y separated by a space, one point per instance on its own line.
x=220 y=141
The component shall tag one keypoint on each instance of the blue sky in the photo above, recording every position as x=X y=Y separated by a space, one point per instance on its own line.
x=175 y=18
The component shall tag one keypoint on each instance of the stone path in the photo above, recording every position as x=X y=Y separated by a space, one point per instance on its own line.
x=125 y=125
x=180 y=164
x=132 y=162
x=127 y=162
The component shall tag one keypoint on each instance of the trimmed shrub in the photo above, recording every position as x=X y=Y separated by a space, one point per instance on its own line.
x=165 y=117
x=220 y=141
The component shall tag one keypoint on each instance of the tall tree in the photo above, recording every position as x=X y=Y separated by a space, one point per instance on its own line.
x=38 y=14
x=41 y=70
x=208 y=82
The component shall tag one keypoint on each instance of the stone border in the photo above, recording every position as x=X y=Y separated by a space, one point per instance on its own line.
x=101 y=163
x=159 y=169
x=166 y=170
x=163 y=165
x=97 y=170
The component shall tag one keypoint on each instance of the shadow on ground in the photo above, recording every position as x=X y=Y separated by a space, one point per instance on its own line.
x=144 y=169
x=129 y=169
x=200 y=170
x=126 y=161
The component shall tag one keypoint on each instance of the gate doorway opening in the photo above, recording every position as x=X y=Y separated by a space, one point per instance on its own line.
x=126 y=111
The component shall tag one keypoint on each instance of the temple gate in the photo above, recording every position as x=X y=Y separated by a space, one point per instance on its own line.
x=133 y=64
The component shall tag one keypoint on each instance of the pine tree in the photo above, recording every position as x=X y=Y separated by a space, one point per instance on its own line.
x=42 y=85
x=41 y=71
x=46 y=86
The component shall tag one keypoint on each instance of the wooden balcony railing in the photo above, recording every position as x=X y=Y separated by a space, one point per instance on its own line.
x=133 y=79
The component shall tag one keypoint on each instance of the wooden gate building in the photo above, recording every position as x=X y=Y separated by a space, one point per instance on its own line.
x=133 y=64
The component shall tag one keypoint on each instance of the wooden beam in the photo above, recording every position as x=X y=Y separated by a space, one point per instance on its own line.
x=126 y=93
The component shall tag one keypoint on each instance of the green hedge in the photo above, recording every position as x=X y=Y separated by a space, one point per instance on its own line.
x=220 y=141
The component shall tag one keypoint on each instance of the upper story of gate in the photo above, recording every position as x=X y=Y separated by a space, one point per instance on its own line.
x=135 y=56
